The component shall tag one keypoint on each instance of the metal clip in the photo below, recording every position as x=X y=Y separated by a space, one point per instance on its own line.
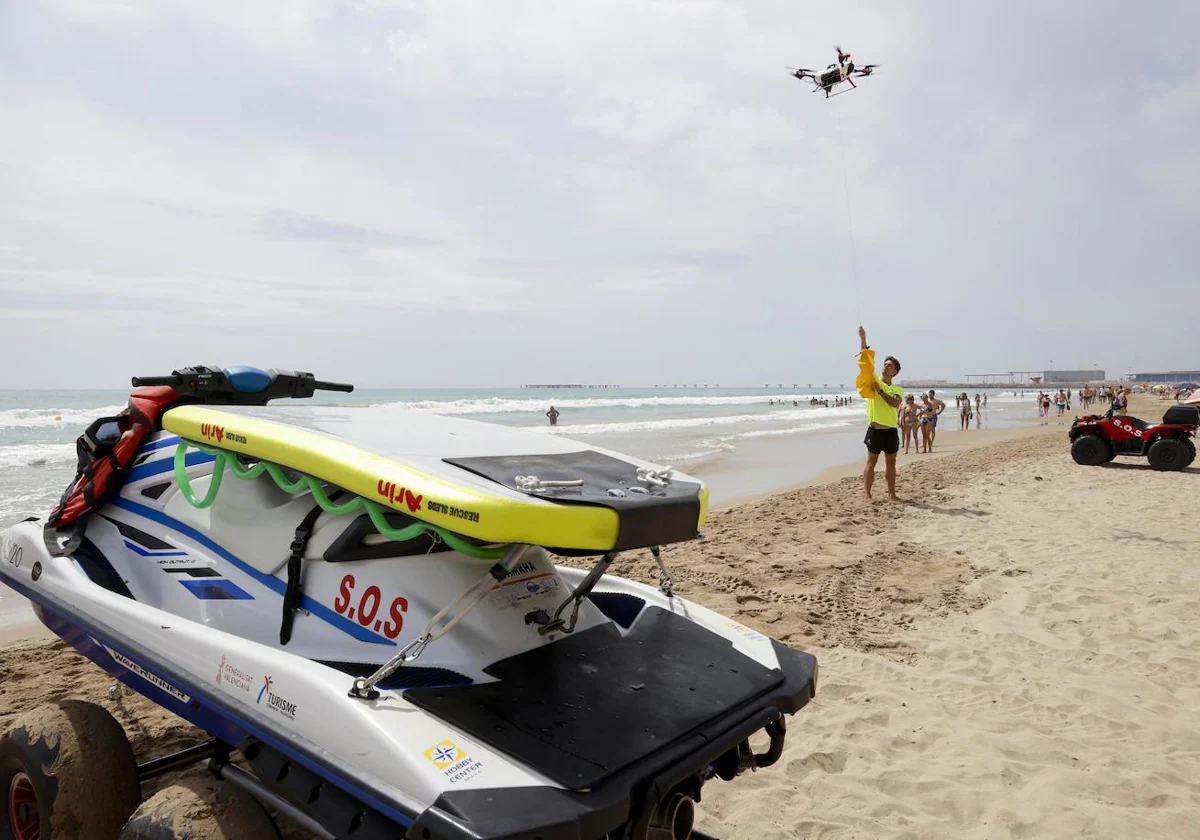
x=665 y=582
x=575 y=599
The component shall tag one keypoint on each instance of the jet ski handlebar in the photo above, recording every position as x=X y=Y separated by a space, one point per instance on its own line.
x=241 y=385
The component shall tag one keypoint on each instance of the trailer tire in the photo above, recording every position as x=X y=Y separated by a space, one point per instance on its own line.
x=200 y=808
x=1168 y=454
x=66 y=770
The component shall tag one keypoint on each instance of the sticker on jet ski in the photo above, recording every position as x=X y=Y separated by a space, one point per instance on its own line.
x=454 y=764
x=514 y=592
x=524 y=580
x=275 y=702
x=155 y=680
x=232 y=675
x=14 y=556
x=743 y=630
x=365 y=609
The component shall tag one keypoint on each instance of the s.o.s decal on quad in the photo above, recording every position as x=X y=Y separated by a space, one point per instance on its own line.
x=1126 y=427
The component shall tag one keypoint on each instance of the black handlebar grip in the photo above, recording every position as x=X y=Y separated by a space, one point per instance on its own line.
x=345 y=387
x=139 y=381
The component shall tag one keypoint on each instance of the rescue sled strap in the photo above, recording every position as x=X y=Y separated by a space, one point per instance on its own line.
x=295 y=573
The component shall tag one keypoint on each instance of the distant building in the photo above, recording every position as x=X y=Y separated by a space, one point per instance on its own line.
x=1168 y=376
x=1065 y=377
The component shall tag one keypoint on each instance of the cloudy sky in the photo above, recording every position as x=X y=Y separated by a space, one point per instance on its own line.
x=478 y=193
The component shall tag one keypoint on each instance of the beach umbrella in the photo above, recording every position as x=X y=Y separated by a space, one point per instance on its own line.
x=1186 y=386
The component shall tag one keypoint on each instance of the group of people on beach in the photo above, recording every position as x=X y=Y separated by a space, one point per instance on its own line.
x=918 y=423
x=1087 y=396
x=966 y=413
x=838 y=402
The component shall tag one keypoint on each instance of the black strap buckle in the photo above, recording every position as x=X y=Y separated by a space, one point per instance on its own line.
x=294 y=594
x=300 y=542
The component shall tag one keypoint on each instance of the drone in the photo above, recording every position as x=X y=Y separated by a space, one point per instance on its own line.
x=835 y=74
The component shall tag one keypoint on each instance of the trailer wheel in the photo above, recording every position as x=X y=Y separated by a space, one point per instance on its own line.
x=1091 y=450
x=66 y=770
x=1168 y=454
x=200 y=808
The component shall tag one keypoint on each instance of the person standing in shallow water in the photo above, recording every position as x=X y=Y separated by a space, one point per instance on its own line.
x=883 y=399
x=553 y=415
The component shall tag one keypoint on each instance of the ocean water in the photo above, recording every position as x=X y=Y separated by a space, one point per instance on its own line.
x=684 y=427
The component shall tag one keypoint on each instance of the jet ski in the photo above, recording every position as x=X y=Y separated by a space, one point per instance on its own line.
x=364 y=611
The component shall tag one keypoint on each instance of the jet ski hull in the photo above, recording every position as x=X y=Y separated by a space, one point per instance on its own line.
x=409 y=763
x=366 y=608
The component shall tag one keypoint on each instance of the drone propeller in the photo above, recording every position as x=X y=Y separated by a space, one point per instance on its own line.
x=866 y=69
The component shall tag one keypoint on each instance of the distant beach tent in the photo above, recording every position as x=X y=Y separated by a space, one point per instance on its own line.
x=1194 y=399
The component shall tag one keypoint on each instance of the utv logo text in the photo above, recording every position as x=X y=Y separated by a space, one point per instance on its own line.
x=276 y=703
x=393 y=493
x=14 y=555
x=455 y=765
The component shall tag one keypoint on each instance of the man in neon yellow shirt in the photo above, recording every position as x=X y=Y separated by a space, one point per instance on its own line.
x=883 y=398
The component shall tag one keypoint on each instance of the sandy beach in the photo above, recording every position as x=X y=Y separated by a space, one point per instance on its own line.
x=1012 y=651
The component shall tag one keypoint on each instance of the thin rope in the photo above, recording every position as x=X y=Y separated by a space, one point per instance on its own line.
x=849 y=219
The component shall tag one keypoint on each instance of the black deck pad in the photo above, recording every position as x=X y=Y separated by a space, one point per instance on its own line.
x=582 y=708
x=649 y=515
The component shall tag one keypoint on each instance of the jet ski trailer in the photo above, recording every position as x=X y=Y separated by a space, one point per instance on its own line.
x=362 y=609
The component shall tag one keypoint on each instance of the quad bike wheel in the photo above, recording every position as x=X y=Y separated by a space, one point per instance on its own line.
x=200 y=808
x=1191 y=446
x=1169 y=454
x=1091 y=450
x=66 y=770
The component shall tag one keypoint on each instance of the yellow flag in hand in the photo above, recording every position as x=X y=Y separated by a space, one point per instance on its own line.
x=865 y=382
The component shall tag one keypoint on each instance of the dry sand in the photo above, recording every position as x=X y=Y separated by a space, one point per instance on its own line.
x=1013 y=652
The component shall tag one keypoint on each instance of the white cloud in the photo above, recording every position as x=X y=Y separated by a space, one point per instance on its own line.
x=241 y=179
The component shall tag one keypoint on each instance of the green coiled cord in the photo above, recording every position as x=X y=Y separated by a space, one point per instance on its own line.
x=307 y=482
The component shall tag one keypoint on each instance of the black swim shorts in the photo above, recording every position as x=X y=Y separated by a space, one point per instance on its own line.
x=882 y=440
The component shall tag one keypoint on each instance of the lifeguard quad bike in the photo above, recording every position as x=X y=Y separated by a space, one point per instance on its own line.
x=1097 y=439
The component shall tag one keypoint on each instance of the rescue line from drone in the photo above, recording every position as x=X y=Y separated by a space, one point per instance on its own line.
x=835 y=74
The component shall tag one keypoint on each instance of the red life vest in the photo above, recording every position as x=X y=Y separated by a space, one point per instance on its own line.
x=103 y=463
